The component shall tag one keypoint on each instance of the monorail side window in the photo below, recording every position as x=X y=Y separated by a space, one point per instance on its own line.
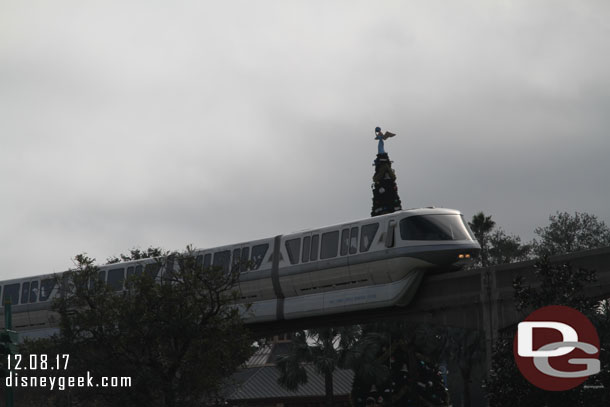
x=306 y=248
x=236 y=260
x=169 y=267
x=315 y=241
x=434 y=227
x=353 y=240
x=46 y=287
x=367 y=235
x=244 y=264
x=34 y=291
x=293 y=247
x=258 y=254
x=330 y=244
x=222 y=259
x=25 y=292
x=65 y=282
x=199 y=260
x=134 y=271
x=344 y=242
x=207 y=260
x=116 y=278
x=11 y=293
x=151 y=269
x=101 y=278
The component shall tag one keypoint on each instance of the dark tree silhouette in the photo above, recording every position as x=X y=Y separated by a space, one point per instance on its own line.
x=570 y=233
x=497 y=247
x=173 y=333
x=558 y=284
x=394 y=364
x=324 y=348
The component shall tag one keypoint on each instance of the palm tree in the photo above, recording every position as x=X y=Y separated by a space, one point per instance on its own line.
x=397 y=362
x=369 y=359
x=325 y=348
x=465 y=349
x=482 y=226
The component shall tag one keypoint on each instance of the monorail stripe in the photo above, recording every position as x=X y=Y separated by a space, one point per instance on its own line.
x=275 y=278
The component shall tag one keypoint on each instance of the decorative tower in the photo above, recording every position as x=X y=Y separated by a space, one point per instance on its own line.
x=385 y=190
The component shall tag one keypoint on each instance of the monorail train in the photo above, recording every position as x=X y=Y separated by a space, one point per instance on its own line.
x=370 y=263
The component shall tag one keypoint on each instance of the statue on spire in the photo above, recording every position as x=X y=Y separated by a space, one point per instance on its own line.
x=381 y=137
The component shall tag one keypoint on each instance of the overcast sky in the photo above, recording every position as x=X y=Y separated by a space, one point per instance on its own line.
x=136 y=123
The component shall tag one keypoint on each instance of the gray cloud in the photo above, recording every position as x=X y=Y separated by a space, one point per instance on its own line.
x=134 y=124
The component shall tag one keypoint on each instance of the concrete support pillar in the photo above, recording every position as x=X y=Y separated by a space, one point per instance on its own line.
x=490 y=314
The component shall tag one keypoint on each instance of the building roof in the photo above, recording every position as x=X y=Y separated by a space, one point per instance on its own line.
x=261 y=357
x=261 y=383
x=258 y=378
x=268 y=354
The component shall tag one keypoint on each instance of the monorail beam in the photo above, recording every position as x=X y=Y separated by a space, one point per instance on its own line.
x=480 y=299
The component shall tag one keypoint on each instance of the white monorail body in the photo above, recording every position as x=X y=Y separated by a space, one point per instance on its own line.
x=371 y=263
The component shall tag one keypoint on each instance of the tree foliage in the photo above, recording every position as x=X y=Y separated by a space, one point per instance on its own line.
x=137 y=254
x=171 y=332
x=570 y=233
x=554 y=284
x=482 y=226
x=325 y=348
x=504 y=248
x=497 y=247
x=464 y=348
x=396 y=364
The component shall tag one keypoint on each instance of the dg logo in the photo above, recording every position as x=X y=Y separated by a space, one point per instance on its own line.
x=556 y=348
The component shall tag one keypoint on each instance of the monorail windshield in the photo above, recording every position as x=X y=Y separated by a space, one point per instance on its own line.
x=435 y=227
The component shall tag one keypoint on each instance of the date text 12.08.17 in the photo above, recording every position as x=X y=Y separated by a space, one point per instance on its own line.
x=38 y=362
